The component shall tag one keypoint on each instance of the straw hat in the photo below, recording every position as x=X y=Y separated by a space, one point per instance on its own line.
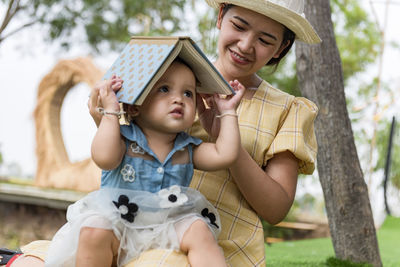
x=287 y=12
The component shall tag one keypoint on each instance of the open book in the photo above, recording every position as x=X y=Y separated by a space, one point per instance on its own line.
x=145 y=59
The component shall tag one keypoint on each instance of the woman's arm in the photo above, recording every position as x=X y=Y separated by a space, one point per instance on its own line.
x=270 y=192
x=225 y=150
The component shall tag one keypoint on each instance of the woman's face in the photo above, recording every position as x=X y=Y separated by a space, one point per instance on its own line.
x=247 y=41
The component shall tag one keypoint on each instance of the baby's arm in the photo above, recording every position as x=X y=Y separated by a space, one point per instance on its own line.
x=108 y=146
x=222 y=153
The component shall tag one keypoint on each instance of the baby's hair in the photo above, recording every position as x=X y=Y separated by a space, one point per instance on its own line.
x=180 y=60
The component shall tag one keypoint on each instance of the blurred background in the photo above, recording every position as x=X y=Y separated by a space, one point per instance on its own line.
x=36 y=35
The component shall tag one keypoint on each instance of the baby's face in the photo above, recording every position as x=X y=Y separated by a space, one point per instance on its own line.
x=171 y=105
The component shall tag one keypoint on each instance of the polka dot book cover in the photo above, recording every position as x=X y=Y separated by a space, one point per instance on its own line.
x=144 y=60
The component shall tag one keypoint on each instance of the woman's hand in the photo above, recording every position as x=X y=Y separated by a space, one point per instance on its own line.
x=207 y=114
x=217 y=105
x=95 y=100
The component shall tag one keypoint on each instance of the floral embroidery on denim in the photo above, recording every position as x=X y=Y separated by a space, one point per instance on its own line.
x=135 y=148
x=128 y=173
x=127 y=210
x=172 y=197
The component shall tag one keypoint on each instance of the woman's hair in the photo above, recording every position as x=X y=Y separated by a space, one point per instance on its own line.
x=288 y=37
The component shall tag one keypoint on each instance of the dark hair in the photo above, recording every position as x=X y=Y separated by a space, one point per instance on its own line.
x=180 y=60
x=288 y=38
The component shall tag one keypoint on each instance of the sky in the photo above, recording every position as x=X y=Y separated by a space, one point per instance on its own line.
x=25 y=59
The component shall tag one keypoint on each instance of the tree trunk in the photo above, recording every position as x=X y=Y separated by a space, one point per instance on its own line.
x=388 y=165
x=345 y=191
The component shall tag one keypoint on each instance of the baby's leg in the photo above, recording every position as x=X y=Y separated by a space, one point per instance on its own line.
x=202 y=248
x=97 y=247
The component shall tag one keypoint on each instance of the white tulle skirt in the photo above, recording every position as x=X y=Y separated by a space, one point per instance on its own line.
x=140 y=220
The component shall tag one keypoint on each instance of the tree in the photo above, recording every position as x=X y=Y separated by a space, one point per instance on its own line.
x=357 y=39
x=103 y=21
x=346 y=194
x=389 y=150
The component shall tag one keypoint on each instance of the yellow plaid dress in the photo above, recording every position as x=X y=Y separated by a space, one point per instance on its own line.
x=270 y=123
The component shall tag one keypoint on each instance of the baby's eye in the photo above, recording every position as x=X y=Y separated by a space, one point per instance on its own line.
x=163 y=89
x=188 y=94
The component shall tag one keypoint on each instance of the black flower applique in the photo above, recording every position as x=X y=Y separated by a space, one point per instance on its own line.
x=127 y=210
x=211 y=217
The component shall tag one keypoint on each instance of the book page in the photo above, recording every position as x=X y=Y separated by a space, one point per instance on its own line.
x=210 y=79
x=137 y=64
x=164 y=66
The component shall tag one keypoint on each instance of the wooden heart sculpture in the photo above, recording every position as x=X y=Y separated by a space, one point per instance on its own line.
x=54 y=168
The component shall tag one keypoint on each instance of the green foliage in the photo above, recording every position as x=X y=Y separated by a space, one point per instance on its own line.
x=334 y=262
x=207 y=29
x=284 y=76
x=111 y=23
x=357 y=39
x=307 y=202
x=277 y=232
x=103 y=21
x=357 y=36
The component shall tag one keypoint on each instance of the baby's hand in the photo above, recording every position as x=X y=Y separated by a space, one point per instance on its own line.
x=106 y=93
x=230 y=102
x=116 y=83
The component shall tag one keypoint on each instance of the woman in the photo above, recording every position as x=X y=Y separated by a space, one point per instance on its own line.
x=277 y=132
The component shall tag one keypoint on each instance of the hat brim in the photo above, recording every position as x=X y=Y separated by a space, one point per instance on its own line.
x=292 y=20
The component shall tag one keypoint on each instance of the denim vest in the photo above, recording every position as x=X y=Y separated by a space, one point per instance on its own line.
x=137 y=173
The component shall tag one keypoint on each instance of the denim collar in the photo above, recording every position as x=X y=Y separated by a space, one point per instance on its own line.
x=133 y=133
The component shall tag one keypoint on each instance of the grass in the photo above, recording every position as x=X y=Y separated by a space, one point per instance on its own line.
x=389 y=242
x=319 y=252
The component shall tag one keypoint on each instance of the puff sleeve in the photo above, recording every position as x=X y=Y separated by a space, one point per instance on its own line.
x=296 y=135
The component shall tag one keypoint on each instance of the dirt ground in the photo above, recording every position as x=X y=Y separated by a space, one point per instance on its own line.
x=22 y=223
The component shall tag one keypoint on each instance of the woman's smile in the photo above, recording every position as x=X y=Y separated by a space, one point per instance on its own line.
x=236 y=57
